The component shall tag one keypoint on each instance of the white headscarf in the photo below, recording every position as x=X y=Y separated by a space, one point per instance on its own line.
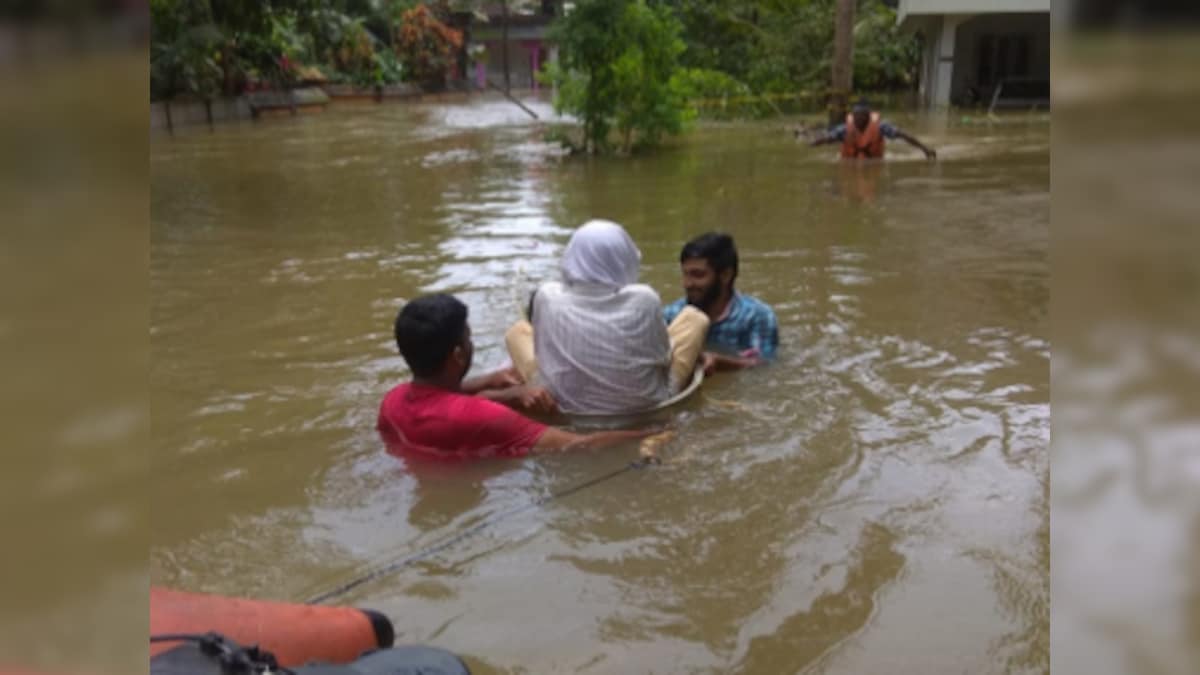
x=601 y=252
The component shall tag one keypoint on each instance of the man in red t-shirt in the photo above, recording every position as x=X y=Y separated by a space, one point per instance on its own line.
x=439 y=414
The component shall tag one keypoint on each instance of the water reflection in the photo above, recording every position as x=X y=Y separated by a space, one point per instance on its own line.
x=858 y=181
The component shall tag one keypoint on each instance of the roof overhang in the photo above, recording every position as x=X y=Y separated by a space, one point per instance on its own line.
x=911 y=12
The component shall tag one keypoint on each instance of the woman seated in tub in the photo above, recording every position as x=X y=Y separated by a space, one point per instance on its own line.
x=597 y=339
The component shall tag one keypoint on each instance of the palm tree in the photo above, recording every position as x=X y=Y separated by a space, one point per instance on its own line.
x=843 y=60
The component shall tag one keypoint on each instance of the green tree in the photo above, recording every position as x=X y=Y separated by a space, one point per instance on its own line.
x=185 y=50
x=785 y=47
x=619 y=71
x=619 y=57
x=721 y=35
x=884 y=57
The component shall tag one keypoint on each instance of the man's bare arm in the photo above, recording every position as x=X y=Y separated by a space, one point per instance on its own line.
x=523 y=397
x=499 y=379
x=823 y=139
x=930 y=153
x=714 y=362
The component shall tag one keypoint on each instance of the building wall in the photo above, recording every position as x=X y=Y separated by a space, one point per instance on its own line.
x=1036 y=27
x=950 y=59
x=937 y=33
x=519 y=63
x=929 y=28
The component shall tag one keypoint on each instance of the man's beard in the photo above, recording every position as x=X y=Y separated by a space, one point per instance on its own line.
x=709 y=296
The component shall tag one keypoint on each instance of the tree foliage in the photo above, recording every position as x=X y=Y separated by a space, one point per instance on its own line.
x=782 y=46
x=641 y=70
x=618 y=72
x=185 y=49
x=204 y=48
x=634 y=71
x=427 y=46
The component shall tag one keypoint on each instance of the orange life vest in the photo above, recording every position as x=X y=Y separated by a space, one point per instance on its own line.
x=865 y=144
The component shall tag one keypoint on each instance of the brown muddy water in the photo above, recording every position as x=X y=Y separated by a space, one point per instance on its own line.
x=874 y=502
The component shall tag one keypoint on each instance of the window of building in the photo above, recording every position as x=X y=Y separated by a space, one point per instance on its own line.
x=1003 y=57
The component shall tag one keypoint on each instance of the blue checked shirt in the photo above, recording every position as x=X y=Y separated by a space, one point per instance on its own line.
x=749 y=324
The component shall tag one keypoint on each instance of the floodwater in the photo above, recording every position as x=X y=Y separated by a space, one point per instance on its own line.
x=875 y=501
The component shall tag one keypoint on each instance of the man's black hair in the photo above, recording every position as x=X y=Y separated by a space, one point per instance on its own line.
x=715 y=247
x=428 y=329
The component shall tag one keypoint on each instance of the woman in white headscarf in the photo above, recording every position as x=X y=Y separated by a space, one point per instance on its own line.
x=601 y=252
x=599 y=337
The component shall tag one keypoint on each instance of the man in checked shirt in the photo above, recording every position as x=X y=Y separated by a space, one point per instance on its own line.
x=743 y=331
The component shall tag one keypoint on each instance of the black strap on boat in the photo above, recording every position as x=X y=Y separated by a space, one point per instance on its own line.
x=457 y=537
x=233 y=658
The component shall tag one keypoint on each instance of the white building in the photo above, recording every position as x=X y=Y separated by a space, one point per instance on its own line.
x=974 y=47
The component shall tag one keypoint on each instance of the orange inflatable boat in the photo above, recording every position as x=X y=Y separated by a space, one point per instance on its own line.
x=295 y=634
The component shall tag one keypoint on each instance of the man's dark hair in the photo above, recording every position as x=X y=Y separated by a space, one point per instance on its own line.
x=428 y=329
x=715 y=247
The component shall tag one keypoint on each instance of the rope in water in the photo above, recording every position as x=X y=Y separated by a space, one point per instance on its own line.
x=462 y=535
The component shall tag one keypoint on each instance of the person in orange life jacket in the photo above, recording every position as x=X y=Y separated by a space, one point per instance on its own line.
x=862 y=136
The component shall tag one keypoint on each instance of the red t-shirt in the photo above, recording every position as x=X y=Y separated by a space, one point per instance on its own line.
x=432 y=421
